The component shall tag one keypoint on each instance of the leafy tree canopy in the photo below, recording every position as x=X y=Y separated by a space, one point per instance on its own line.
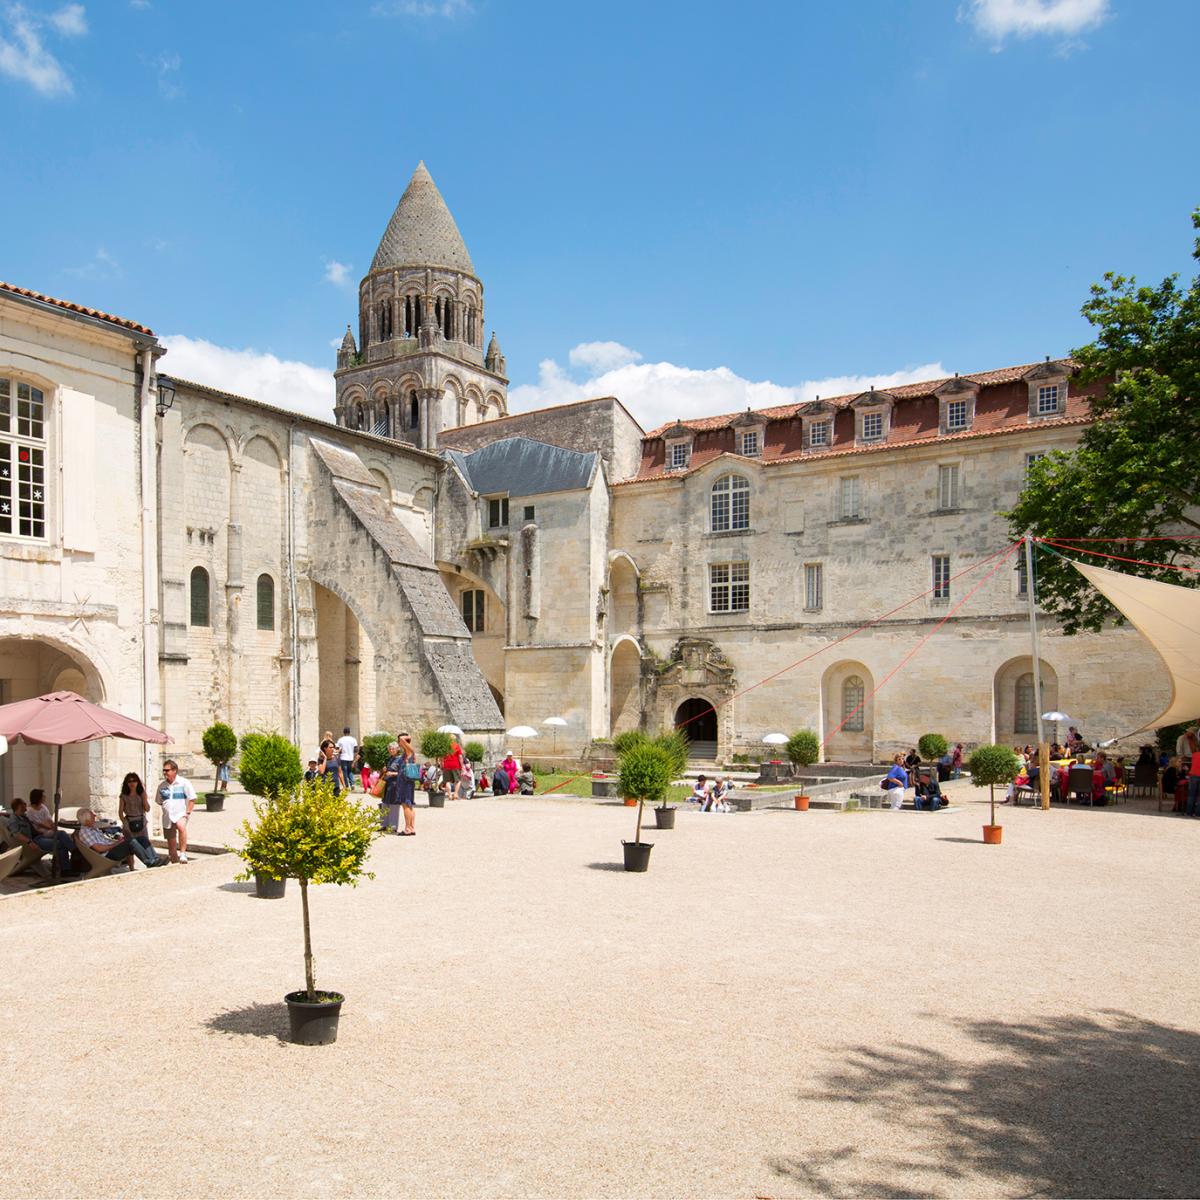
x=1133 y=473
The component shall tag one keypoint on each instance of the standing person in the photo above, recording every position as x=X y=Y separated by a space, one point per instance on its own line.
x=133 y=809
x=956 y=760
x=407 y=790
x=896 y=782
x=347 y=747
x=1186 y=744
x=329 y=765
x=1193 y=792
x=452 y=768
x=365 y=770
x=393 y=770
x=222 y=778
x=511 y=768
x=178 y=798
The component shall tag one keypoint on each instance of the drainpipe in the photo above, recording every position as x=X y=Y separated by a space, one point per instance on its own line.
x=295 y=619
x=151 y=706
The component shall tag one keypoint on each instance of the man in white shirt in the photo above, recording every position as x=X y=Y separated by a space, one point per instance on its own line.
x=346 y=748
x=178 y=798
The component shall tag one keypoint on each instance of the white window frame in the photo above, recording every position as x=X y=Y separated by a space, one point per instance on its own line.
x=940 y=573
x=31 y=476
x=750 y=443
x=825 y=425
x=729 y=587
x=949 y=487
x=873 y=415
x=1031 y=457
x=679 y=455
x=729 y=505
x=1042 y=397
x=814 y=587
x=849 y=489
x=958 y=415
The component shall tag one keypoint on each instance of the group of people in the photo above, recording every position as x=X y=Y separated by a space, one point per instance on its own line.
x=33 y=823
x=711 y=797
x=905 y=773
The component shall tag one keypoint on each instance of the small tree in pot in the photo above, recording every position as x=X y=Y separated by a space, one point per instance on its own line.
x=675 y=746
x=474 y=752
x=270 y=767
x=802 y=749
x=313 y=836
x=219 y=743
x=643 y=773
x=991 y=765
x=374 y=749
x=435 y=746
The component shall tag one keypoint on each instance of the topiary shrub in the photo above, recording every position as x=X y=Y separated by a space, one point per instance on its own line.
x=435 y=745
x=644 y=773
x=991 y=765
x=627 y=740
x=374 y=748
x=308 y=834
x=219 y=744
x=270 y=764
x=675 y=744
x=932 y=746
x=474 y=751
x=803 y=748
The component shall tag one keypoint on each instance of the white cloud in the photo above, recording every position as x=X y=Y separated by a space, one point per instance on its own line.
x=338 y=273
x=101 y=265
x=424 y=8
x=659 y=392
x=166 y=68
x=1000 y=19
x=70 y=20
x=24 y=57
x=602 y=356
x=253 y=373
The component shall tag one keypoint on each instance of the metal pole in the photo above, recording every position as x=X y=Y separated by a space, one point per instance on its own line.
x=1043 y=749
x=57 y=805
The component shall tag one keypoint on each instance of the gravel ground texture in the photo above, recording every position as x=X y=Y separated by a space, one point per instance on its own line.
x=786 y=1004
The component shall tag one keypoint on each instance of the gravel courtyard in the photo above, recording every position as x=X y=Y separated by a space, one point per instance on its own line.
x=786 y=1005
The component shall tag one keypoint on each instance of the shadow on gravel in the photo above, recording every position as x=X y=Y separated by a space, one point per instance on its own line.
x=254 y=1020
x=236 y=887
x=964 y=841
x=1073 y=1106
x=608 y=866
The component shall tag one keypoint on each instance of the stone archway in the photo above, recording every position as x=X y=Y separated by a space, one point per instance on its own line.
x=696 y=719
x=346 y=668
x=624 y=687
x=848 y=712
x=697 y=669
x=1014 y=709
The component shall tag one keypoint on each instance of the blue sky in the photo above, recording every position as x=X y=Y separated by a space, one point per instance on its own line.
x=695 y=205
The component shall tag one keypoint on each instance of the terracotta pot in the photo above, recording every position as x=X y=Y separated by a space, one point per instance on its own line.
x=801 y=803
x=991 y=834
x=628 y=802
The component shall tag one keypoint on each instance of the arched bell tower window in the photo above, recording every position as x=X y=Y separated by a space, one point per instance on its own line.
x=385 y=321
x=201 y=614
x=360 y=418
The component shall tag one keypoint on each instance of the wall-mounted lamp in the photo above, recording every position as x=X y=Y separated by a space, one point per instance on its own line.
x=166 y=396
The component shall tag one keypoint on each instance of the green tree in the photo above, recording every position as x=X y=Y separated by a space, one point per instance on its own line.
x=644 y=773
x=1133 y=473
x=474 y=751
x=219 y=744
x=932 y=746
x=627 y=740
x=991 y=765
x=803 y=748
x=308 y=834
x=435 y=745
x=270 y=764
x=675 y=746
x=374 y=748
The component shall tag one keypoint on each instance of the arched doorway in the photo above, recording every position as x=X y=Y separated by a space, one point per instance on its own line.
x=1014 y=710
x=848 y=712
x=697 y=719
x=624 y=698
x=347 y=668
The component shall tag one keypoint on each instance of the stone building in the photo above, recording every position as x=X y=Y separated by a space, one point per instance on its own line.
x=428 y=557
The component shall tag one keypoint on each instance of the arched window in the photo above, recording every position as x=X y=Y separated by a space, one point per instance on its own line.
x=266 y=602
x=853 y=697
x=200 y=597
x=414 y=411
x=22 y=460
x=1025 y=714
x=730 y=504
x=360 y=418
x=385 y=321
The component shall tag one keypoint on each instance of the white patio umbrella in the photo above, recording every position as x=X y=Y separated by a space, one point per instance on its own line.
x=454 y=729
x=555 y=724
x=1056 y=717
x=521 y=732
x=776 y=739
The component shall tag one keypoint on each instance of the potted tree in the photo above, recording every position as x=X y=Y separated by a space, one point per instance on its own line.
x=622 y=744
x=675 y=746
x=803 y=749
x=374 y=750
x=219 y=743
x=270 y=767
x=931 y=747
x=992 y=765
x=435 y=746
x=643 y=773
x=474 y=752
x=313 y=836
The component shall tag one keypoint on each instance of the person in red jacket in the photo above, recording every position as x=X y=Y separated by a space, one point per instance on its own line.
x=451 y=768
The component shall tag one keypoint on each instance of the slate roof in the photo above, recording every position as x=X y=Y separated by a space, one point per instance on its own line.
x=70 y=306
x=523 y=467
x=422 y=233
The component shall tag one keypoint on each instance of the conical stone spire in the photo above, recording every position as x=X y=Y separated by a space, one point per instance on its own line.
x=422 y=233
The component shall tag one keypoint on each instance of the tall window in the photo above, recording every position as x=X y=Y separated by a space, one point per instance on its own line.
x=678 y=456
x=22 y=460
x=941 y=577
x=200 y=597
x=750 y=444
x=472 y=610
x=849 y=501
x=814 y=587
x=818 y=433
x=266 y=602
x=948 y=486
x=854 y=696
x=730 y=504
x=498 y=512
x=1047 y=400
x=956 y=415
x=729 y=587
x=1025 y=716
x=1022 y=576
x=414 y=411
x=872 y=426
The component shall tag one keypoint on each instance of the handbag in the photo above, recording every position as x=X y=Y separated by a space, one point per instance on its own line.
x=379 y=787
x=412 y=771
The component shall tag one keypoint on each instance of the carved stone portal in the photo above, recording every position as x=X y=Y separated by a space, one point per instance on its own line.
x=696 y=670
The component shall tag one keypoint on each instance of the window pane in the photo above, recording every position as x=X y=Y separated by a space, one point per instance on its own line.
x=848 y=497
x=948 y=487
x=6 y=488
x=853 y=697
x=956 y=414
x=872 y=426
x=740 y=516
x=1026 y=711
x=739 y=588
x=818 y=433
x=941 y=577
x=750 y=444
x=266 y=602
x=720 y=505
x=5 y=405
x=812 y=586
x=200 y=596
x=1048 y=399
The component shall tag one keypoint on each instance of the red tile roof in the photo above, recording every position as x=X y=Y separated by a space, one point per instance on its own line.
x=77 y=308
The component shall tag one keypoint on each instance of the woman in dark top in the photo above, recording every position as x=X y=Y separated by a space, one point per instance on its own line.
x=406 y=788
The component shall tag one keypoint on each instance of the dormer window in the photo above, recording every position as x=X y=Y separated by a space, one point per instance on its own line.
x=750 y=443
x=1047 y=400
x=872 y=416
x=1047 y=384
x=819 y=434
x=956 y=405
x=678 y=455
x=872 y=426
x=956 y=415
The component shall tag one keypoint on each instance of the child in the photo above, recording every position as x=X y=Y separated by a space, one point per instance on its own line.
x=368 y=776
x=311 y=773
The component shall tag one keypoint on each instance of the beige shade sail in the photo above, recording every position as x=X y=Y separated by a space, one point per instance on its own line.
x=1168 y=617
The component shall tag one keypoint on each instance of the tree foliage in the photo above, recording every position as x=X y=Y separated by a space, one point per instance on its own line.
x=474 y=751
x=270 y=764
x=675 y=746
x=219 y=743
x=803 y=748
x=435 y=745
x=374 y=748
x=1133 y=473
x=932 y=746
x=627 y=740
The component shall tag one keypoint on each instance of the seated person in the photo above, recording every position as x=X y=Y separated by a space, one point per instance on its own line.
x=928 y=792
x=1170 y=778
x=525 y=780
x=500 y=783
x=466 y=781
x=42 y=821
x=115 y=848
x=944 y=767
x=719 y=795
x=700 y=793
x=1056 y=751
x=1146 y=757
x=22 y=832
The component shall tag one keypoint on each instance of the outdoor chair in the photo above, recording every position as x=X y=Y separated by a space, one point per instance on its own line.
x=1079 y=783
x=18 y=858
x=99 y=864
x=1145 y=778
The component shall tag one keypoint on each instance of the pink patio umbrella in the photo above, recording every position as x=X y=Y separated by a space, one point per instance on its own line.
x=64 y=718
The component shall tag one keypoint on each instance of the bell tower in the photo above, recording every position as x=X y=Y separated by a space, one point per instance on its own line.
x=418 y=366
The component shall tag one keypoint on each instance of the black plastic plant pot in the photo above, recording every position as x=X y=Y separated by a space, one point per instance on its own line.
x=664 y=818
x=637 y=855
x=266 y=888
x=314 y=1024
x=436 y=799
x=214 y=801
